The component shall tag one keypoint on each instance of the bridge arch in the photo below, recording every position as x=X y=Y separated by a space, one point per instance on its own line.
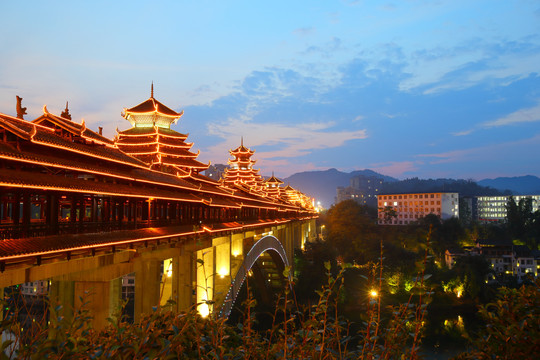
x=266 y=243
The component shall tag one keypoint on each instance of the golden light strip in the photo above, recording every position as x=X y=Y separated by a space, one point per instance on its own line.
x=94 y=192
x=93 y=155
x=190 y=156
x=149 y=113
x=103 y=173
x=192 y=188
x=203 y=166
x=184 y=146
x=61 y=122
x=87 y=153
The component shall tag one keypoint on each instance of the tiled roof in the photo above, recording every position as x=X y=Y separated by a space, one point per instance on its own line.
x=164 y=151
x=220 y=201
x=274 y=179
x=242 y=149
x=183 y=162
x=42 y=135
x=44 y=149
x=73 y=127
x=152 y=105
x=141 y=175
x=128 y=141
x=33 y=180
x=148 y=131
x=59 y=243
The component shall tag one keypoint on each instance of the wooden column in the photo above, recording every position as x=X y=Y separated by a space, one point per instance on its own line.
x=121 y=203
x=16 y=208
x=147 y=281
x=27 y=208
x=182 y=281
x=130 y=210
x=72 y=208
x=145 y=210
x=52 y=212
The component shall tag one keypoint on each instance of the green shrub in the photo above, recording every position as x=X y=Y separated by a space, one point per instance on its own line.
x=512 y=326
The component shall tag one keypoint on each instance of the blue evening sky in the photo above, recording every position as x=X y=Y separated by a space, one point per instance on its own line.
x=406 y=88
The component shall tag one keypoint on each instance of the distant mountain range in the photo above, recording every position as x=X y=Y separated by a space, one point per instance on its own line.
x=322 y=185
x=519 y=185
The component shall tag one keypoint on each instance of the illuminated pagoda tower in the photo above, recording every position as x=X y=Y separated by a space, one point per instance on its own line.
x=241 y=171
x=291 y=195
x=151 y=139
x=272 y=186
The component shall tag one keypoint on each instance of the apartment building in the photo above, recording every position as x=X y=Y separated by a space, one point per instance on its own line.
x=493 y=208
x=505 y=258
x=363 y=189
x=403 y=209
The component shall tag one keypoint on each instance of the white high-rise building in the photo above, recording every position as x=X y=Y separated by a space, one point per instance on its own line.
x=493 y=208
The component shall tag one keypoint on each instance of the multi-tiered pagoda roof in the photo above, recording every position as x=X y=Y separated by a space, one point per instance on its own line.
x=241 y=171
x=272 y=185
x=151 y=139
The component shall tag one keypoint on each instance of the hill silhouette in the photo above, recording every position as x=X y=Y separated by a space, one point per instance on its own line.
x=322 y=185
x=519 y=185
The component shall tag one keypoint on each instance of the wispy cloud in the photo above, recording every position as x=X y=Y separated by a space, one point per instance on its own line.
x=283 y=140
x=531 y=114
x=327 y=49
x=463 y=133
x=390 y=116
x=470 y=63
x=305 y=31
x=491 y=153
x=524 y=115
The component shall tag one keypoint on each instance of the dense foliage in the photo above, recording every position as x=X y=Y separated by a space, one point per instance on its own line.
x=300 y=333
x=523 y=225
x=512 y=328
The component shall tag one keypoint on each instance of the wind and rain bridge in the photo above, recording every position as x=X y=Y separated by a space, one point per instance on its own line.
x=81 y=211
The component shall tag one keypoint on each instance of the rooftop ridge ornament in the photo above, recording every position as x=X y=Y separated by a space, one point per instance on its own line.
x=152 y=90
x=65 y=114
x=33 y=132
x=21 y=111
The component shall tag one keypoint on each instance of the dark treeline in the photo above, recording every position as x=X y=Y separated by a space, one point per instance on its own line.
x=463 y=187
